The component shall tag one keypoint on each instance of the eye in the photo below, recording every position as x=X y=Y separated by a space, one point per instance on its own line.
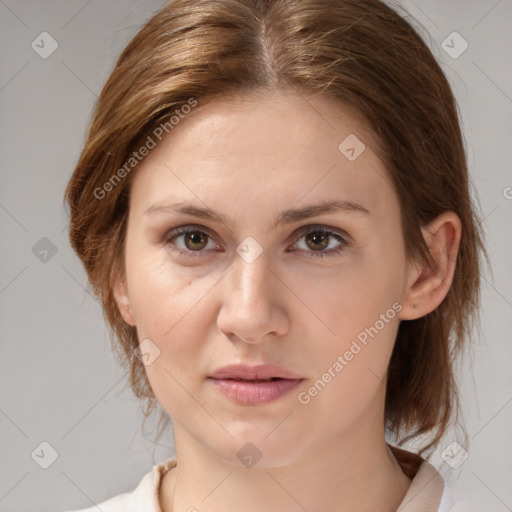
x=316 y=240
x=194 y=240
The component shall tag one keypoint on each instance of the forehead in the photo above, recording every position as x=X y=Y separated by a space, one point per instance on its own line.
x=282 y=145
x=276 y=121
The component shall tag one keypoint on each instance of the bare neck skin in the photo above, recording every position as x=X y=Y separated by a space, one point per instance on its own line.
x=355 y=472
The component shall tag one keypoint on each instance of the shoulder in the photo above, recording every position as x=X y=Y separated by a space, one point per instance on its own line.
x=454 y=501
x=448 y=499
x=143 y=497
x=427 y=485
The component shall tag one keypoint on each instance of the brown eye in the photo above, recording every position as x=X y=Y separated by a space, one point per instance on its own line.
x=317 y=240
x=195 y=240
x=188 y=241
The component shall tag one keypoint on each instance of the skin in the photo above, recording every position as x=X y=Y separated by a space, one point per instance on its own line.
x=248 y=159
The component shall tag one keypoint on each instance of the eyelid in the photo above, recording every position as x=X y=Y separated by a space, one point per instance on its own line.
x=300 y=231
x=304 y=230
x=181 y=230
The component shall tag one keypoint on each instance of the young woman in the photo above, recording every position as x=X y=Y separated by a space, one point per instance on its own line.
x=273 y=205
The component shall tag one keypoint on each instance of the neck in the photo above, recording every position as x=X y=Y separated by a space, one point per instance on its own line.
x=355 y=471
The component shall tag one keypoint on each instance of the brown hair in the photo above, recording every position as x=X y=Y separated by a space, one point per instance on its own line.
x=360 y=52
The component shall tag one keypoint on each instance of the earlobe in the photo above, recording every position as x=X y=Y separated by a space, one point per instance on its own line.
x=429 y=285
x=122 y=299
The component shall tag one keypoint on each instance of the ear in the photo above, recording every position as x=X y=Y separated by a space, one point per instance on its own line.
x=427 y=286
x=122 y=298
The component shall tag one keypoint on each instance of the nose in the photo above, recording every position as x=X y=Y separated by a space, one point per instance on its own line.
x=252 y=307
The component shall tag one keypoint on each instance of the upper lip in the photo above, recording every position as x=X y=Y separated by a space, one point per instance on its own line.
x=253 y=372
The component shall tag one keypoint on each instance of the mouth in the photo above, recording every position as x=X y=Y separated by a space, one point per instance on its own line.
x=254 y=380
x=254 y=389
x=258 y=373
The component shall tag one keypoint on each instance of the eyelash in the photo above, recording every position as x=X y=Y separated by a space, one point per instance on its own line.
x=175 y=233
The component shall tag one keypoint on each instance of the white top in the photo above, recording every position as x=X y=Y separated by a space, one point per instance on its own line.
x=427 y=492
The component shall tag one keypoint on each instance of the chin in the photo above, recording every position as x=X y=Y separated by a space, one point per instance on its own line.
x=261 y=448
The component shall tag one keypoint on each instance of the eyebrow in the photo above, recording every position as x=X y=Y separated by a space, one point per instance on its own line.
x=286 y=217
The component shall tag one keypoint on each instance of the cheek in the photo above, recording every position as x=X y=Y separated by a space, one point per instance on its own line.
x=161 y=293
x=358 y=308
x=354 y=295
x=350 y=372
x=168 y=304
x=167 y=309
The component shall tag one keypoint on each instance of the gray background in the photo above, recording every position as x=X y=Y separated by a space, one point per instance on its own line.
x=58 y=380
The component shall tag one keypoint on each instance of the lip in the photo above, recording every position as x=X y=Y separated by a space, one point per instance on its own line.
x=250 y=385
x=254 y=372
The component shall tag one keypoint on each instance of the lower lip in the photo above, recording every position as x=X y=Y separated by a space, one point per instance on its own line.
x=251 y=393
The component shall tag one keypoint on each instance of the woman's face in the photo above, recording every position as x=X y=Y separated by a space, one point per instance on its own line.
x=242 y=289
